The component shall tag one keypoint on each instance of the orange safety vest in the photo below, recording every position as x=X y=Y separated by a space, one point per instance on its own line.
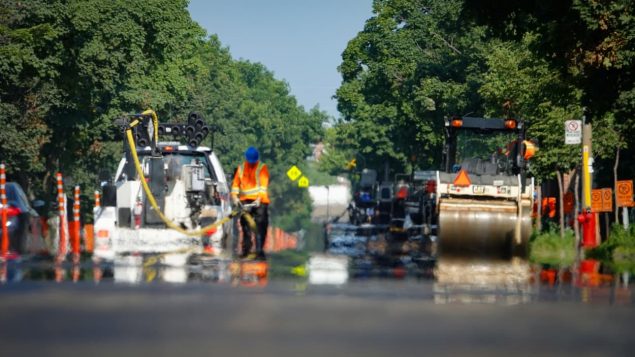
x=251 y=182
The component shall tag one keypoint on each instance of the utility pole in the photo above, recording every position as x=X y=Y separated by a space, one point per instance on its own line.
x=587 y=169
x=587 y=162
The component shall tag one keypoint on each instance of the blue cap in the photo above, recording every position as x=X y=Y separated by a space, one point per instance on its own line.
x=251 y=155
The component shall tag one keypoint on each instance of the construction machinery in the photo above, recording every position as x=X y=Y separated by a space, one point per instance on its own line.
x=484 y=198
x=165 y=196
x=361 y=210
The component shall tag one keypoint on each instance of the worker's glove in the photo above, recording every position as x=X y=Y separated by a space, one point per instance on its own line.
x=236 y=202
x=257 y=203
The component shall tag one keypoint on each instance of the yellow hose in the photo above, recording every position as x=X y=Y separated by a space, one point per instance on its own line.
x=155 y=123
x=153 y=202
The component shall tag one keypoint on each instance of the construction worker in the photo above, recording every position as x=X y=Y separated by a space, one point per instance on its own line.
x=251 y=180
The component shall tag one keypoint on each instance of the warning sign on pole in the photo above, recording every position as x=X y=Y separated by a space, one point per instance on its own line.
x=607 y=200
x=303 y=182
x=602 y=200
x=293 y=173
x=624 y=193
x=596 y=200
x=573 y=132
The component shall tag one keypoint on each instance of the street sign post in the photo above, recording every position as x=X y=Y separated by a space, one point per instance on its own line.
x=586 y=183
x=602 y=200
x=596 y=200
x=607 y=200
x=624 y=193
x=293 y=173
x=573 y=132
x=303 y=182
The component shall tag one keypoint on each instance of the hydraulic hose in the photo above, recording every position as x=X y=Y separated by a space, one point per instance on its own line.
x=152 y=200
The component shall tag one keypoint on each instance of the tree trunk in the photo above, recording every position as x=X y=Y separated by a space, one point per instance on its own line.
x=560 y=202
x=617 y=161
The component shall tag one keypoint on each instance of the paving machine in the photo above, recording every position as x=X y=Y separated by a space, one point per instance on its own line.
x=484 y=198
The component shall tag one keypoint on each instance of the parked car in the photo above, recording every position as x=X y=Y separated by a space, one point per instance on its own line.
x=23 y=221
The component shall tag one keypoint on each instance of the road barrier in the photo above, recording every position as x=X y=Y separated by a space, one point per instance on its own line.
x=3 y=197
x=75 y=243
x=63 y=224
x=278 y=240
x=97 y=200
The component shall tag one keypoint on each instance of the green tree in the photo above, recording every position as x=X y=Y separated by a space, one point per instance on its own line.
x=69 y=68
x=592 y=45
x=414 y=63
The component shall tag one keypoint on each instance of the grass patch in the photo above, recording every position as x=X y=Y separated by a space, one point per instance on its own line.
x=549 y=248
x=618 y=251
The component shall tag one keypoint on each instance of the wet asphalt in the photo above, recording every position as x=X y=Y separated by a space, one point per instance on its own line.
x=373 y=317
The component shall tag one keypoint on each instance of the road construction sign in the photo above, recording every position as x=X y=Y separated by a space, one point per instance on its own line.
x=596 y=200
x=624 y=193
x=462 y=179
x=602 y=200
x=607 y=200
x=573 y=132
x=303 y=182
x=294 y=173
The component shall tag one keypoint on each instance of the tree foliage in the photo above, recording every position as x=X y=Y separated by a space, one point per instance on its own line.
x=416 y=61
x=69 y=68
x=408 y=68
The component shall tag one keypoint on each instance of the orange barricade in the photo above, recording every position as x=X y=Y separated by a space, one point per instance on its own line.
x=97 y=199
x=278 y=240
x=62 y=214
x=76 y=222
x=89 y=238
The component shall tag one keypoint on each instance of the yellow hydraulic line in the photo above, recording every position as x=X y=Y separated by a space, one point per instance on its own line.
x=587 y=176
x=153 y=202
x=134 y=123
x=155 y=122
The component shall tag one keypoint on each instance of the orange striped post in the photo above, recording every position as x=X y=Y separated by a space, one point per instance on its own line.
x=62 y=213
x=76 y=222
x=59 y=273
x=75 y=273
x=89 y=229
x=97 y=199
x=3 y=198
x=3 y=272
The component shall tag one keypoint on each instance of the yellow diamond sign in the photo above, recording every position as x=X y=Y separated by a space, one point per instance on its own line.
x=294 y=173
x=303 y=182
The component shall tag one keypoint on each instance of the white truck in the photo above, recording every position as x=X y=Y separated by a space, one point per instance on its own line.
x=185 y=182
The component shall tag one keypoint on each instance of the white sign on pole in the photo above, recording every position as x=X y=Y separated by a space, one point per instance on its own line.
x=573 y=132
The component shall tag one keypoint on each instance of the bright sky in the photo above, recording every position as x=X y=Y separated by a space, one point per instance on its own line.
x=301 y=41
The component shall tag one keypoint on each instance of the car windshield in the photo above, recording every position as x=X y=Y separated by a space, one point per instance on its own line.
x=471 y=144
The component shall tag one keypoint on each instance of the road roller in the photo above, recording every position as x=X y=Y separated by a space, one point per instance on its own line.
x=484 y=197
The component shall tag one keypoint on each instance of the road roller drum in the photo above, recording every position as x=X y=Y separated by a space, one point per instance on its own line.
x=483 y=227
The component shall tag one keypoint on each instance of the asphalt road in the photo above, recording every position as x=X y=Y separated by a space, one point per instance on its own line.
x=368 y=318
